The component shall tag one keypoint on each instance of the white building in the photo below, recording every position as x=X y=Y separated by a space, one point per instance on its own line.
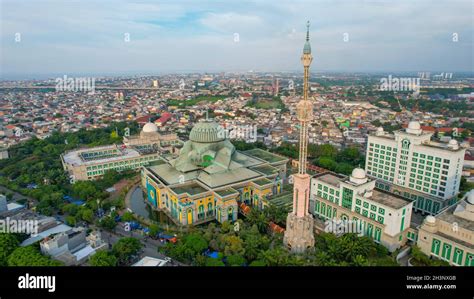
x=410 y=164
x=383 y=216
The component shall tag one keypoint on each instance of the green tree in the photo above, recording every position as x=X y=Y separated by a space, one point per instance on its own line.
x=103 y=259
x=326 y=162
x=107 y=223
x=87 y=215
x=30 y=256
x=258 y=263
x=233 y=245
x=8 y=243
x=214 y=263
x=125 y=248
x=71 y=220
x=127 y=216
x=235 y=260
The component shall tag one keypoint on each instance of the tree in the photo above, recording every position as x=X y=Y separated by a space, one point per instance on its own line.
x=326 y=162
x=87 y=215
x=328 y=150
x=258 y=263
x=107 y=223
x=235 y=260
x=125 y=248
x=214 y=263
x=127 y=216
x=30 y=256
x=196 y=243
x=256 y=217
x=71 y=220
x=103 y=259
x=278 y=256
x=8 y=243
x=233 y=245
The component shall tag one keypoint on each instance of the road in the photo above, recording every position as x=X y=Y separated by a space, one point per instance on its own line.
x=150 y=246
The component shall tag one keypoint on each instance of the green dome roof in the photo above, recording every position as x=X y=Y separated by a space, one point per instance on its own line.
x=206 y=132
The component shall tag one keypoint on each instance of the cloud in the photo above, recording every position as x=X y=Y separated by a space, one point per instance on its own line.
x=88 y=36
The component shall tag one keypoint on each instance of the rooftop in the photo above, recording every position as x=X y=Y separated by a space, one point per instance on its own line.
x=191 y=189
x=330 y=178
x=448 y=216
x=76 y=157
x=388 y=199
x=265 y=155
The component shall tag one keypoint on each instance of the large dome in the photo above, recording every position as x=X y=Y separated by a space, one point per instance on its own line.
x=206 y=132
x=149 y=128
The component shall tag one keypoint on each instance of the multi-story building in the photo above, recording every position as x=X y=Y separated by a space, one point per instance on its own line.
x=381 y=215
x=209 y=179
x=450 y=234
x=137 y=151
x=410 y=164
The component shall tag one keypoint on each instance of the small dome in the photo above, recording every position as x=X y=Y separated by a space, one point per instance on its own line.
x=470 y=197
x=430 y=219
x=380 y=129
x=150 y=128
x=358 y=173
x=414 y=125
x=206 y=132
x=453 y=142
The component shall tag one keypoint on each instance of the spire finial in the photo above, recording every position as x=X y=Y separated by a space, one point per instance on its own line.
x=307 y=31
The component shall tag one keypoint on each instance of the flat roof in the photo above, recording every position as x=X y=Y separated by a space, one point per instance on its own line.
x=148 y=261
x=191 y=189
x=330 y=178
x=226 y=192
x=74 y=157
x=265 y=155
x=448 y=216
x=388 y=199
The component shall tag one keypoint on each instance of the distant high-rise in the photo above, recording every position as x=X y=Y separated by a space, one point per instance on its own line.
x=299 y=234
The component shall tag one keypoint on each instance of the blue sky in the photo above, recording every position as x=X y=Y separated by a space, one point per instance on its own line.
x=168 y=36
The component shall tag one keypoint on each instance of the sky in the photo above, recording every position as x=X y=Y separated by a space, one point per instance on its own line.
x=124 y=37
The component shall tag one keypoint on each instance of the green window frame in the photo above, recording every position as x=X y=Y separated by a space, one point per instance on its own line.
x=446 y=252
x=469 y=260
x=457 y=257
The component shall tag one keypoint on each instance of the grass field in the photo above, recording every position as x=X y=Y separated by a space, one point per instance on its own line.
x=266 y=103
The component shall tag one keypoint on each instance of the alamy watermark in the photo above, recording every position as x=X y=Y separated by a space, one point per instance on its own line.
x=399 y=84
x=248 y=133
x=75 y=84
x=340 y=227
x=14 y=226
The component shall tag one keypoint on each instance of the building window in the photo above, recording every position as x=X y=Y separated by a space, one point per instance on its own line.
x=446 y=253
x=457 y=258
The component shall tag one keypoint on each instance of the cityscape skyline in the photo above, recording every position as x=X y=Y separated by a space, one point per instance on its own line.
x=145 y=37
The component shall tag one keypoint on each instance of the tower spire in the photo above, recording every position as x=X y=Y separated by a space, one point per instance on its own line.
x=307 y=31
x=299 y=223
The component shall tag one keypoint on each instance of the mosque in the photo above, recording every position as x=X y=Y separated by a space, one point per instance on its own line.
x=209 y=178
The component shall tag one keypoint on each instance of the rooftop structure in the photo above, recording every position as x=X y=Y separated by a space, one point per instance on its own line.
x=209 y=177
x=136 y=151
x=408 y=158
x=381 y=215
x=449 y=235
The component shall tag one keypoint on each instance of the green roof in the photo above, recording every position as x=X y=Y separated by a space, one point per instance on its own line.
x=226 y=192
x=192 y=189
x=265 y=155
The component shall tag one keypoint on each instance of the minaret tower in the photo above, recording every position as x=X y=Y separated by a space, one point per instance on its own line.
x=299 y=234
